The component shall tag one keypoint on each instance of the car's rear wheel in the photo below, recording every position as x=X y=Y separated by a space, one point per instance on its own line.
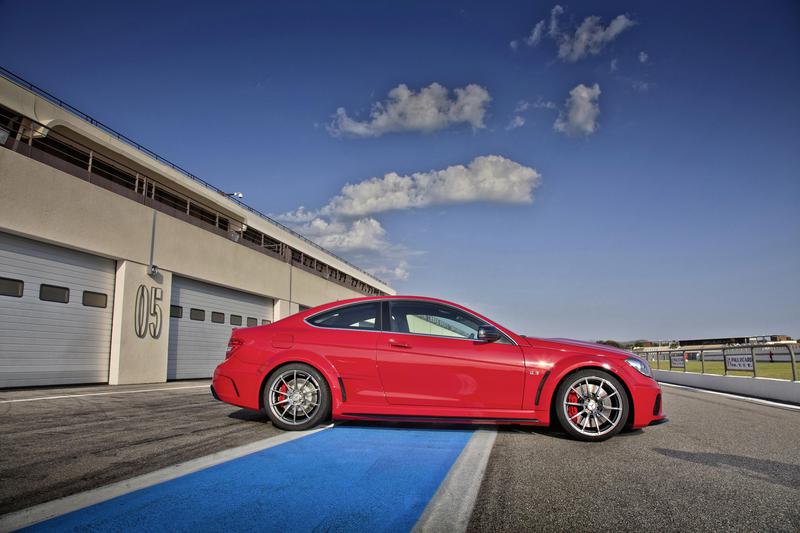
x=296 y=397
x=592 y=405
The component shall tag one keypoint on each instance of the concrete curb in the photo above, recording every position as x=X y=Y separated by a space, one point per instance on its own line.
x=779 y=390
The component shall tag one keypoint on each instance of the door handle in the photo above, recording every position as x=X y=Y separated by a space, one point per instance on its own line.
x=396 y=344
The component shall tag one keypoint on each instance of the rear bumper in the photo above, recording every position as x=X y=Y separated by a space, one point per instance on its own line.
x=236 y=383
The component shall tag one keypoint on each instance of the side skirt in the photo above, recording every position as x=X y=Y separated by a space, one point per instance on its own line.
x=450 y=419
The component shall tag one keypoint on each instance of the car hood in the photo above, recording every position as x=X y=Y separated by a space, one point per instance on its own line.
x=593 y=347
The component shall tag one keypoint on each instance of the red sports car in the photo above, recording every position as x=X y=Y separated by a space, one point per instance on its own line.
x=421 y=359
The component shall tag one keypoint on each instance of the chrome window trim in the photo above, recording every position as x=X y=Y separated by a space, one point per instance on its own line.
x=383 y=328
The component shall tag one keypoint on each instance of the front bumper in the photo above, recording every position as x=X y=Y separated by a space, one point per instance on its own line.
x=647 y=406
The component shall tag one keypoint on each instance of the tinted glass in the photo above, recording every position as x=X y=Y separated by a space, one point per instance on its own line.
x=217 y=318
x=11 y=287
x=358 y=316
x=94 y=299
x=197 y=314
x=51 y=293
x=252 y=322
x=176 y=311
x=236 y=320
x=424 y=318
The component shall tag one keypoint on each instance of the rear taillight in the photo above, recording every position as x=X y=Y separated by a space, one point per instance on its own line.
x=233 y=345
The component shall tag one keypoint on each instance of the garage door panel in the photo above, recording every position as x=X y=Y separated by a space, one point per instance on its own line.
x=50 y=343
x=197 y=347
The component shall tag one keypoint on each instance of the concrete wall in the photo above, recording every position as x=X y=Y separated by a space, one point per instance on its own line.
x=139 y=354
x=771 y=389
x=46 y=204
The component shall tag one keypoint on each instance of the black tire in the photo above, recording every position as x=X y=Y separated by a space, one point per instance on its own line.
x=600 y=401
x=293 y=409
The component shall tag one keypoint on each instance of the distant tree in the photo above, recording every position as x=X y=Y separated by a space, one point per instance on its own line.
x=609 y=342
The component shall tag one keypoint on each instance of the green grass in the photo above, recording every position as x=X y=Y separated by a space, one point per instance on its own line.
x=763 y=370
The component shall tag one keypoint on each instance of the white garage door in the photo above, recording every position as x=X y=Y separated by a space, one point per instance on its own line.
x=201 y=319
x=55 y=314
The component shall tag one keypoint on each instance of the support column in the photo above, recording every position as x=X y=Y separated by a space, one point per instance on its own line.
x=284 y=308
x=140 y=329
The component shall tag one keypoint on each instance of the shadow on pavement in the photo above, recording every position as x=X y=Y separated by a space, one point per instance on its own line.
x=775 y=472
x=249 y=416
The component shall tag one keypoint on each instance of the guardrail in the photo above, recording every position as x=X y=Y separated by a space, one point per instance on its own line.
x=754 y=359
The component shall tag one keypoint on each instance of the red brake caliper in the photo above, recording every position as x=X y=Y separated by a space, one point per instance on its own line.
x=282 y=396
x=572 y=410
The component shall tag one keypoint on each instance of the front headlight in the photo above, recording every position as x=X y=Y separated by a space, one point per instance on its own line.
x=640 y=365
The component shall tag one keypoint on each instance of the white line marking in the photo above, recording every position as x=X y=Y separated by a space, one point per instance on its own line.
x=735 y=396
x=103 y=393
x=45 y=511
x=451 y=507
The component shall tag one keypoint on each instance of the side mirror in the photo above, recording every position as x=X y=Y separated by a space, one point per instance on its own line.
x=489 y=334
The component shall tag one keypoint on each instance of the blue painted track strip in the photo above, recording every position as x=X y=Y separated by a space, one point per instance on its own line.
x=349 y=478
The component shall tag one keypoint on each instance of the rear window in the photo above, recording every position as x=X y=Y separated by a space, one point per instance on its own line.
x=357 y=316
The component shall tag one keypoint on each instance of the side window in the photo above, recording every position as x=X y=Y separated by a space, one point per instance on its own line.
x=358 y=316
x=252 y=322
x=236 y=320
x=175 y=311
x=265 y=322
x=197 y=314
x=424 y=318
x=217 y=317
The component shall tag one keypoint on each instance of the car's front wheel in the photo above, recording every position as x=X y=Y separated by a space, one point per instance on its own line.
x=592 y=405
x=296 y=397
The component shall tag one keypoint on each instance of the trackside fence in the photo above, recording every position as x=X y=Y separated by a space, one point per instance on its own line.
x=774 y=360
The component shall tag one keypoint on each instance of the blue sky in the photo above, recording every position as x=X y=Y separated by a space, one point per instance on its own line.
x=662 y=204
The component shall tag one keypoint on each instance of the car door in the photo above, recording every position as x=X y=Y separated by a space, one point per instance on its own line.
x=429 y=355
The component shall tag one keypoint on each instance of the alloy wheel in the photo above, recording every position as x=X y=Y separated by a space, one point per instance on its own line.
x=593 y=406
x=294 y=397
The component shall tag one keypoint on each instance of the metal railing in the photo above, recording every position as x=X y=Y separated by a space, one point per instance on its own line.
x=744 y=358
x=17 y=80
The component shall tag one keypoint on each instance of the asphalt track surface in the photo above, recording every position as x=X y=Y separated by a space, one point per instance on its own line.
x=719 y=464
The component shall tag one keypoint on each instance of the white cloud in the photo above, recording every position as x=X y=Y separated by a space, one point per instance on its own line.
x=490 y=178
x=553 y=29
x=614 y=65
x=345 y=236
x=591 y=37
x=514 y=45
x=516 y=122
x=541 y=103
x=400 y=271
x=643 y=57
x=345 y=224
x=536 y=34
x=522 y=106
x=429 y=109
x=581 y=110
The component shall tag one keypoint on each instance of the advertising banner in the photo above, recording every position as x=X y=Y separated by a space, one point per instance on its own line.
x=677 y=361
x=739 y=362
